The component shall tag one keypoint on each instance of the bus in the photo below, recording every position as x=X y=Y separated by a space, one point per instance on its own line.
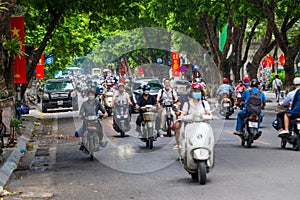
x=96 y=72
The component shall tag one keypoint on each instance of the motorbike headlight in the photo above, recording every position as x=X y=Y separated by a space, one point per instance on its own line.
x=118 y=116
x=46 y=96
x=126 y=116
x=73 y=94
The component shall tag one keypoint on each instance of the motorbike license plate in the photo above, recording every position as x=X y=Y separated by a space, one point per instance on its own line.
x=60 y=103
x=298 y=126
x=226 y=104
x=253 y=124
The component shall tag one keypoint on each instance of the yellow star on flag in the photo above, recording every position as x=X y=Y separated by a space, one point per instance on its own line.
x=15 y=31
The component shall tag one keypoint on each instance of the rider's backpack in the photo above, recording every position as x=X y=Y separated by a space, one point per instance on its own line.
x=254 y=103
x=162 y=92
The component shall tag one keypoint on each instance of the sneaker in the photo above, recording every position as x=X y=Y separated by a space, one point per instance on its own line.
x=159 y=134
x=176 y=147
x=237 y=132
x=284 y=132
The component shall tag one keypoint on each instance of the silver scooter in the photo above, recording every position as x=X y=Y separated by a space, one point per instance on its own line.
x=196 y=146
x=148 y=125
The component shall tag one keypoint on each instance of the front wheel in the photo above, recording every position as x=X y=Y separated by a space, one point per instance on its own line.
x=44 y=109
x=202 y=172
x=283 y=143
x=91 y=145
x=169 y=128
x=227 y=116
x=150 y=143
x=122 y=133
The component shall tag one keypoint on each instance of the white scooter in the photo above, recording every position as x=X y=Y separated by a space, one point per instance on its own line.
x=196 y=146
x=168 y=117
x=108 y=97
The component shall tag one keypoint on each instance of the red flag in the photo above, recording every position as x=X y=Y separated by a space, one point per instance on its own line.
x=282 y=59
x=39 y=70
x=17 y=30
x=175 y=63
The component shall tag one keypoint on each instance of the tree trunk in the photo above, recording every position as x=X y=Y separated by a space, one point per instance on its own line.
x=7 y=63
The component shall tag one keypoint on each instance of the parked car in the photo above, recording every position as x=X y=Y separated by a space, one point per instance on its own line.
x=180 y=86
x=59 y=93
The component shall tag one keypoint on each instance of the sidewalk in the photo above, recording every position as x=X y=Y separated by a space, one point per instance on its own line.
x=12 y=155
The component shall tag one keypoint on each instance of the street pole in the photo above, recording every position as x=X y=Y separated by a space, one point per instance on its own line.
x=18 y=103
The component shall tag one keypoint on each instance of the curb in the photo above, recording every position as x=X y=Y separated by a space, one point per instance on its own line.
x=12 y=161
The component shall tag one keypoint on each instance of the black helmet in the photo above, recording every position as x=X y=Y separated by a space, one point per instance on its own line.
x=254 y=83
x=146 y=87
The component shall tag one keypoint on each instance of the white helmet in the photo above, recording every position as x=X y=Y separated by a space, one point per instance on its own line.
x=296 y=81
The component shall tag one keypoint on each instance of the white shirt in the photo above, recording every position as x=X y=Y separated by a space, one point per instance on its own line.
x=121 y=97
x=289 y=98
x=195 y=108
x=277 y=82
x=167 y=95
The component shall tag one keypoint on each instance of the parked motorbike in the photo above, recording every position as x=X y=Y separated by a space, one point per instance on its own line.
x=226 y=106
x=148 y=134
x=108 y=96
x=91 y=143
x=196 y=146
x=250 y=131
x=293 y=137
x=121 y=118
x=168 y=116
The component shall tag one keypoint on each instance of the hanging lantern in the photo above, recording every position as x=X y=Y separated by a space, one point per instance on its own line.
x=264 y=63
x=282 y=60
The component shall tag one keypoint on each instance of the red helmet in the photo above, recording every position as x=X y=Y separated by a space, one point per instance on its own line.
x=196 y=86
x=225 y=80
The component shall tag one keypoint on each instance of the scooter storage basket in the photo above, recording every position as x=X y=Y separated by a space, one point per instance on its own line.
x=149 y=116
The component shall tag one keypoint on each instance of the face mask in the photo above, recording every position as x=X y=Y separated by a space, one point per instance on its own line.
x=197 y=95
x=146 y=92
x=90 y=98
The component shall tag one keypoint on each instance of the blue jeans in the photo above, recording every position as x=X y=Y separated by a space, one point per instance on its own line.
x=239 y=121
x=240 y=118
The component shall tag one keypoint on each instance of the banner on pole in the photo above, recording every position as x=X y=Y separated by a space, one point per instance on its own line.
x=39 y=70
x=175 y=63
x=17 y=30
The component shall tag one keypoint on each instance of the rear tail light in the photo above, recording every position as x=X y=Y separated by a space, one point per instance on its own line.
x=254 y=118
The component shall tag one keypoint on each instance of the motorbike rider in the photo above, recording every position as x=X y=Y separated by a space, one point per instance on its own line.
x=91 y=108
x=294 y=111
x=225 y=89
x=108 y=87
x=143 y=100
x=165 y=94
x=121 y=95
x=196 y=104
x=239 y=88
x=243 y=113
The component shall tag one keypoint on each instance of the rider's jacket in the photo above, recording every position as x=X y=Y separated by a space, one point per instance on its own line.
x=224 y=89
